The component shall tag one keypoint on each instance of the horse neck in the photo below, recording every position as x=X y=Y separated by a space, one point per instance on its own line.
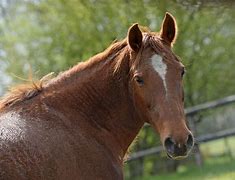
x=102 y=100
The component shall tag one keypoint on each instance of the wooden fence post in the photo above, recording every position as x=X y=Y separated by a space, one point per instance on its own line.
x=197 y=151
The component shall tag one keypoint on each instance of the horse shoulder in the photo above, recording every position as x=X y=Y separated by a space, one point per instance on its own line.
x=40 y=148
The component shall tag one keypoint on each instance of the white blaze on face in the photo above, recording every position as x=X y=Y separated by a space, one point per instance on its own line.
x=160 y=67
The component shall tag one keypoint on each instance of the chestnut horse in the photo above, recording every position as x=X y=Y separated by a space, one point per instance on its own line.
x=80 y=124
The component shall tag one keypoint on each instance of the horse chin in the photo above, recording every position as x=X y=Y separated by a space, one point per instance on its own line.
x=176 y=157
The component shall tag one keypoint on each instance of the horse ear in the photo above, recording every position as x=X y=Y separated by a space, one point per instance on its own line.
x=135 y=37
x=169 y=29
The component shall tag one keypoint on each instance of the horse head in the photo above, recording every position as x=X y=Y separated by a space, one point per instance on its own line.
x=156 y=85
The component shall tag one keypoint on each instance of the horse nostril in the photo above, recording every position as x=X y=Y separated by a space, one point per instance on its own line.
x=169 y=145
x=190 y=141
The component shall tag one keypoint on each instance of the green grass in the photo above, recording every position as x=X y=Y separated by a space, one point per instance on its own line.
x=222 y=168
x=218 y=165
x=214 y=148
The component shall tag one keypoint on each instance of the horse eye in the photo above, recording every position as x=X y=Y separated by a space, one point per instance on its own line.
x=139 y=80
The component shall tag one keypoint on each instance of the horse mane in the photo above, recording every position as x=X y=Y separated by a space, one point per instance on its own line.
x=114 y=48
x=31 y=89
x=23 y=92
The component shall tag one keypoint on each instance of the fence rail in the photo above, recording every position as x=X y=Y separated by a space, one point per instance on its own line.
x=209 y=105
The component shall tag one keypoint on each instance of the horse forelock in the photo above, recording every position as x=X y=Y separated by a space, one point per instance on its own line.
x=154 y=41
x=149 y=39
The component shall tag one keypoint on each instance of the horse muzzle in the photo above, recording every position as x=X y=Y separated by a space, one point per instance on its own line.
x=178 y=151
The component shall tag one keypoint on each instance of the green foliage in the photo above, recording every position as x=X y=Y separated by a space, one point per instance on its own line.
x=213 y=169
x=54 y=35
